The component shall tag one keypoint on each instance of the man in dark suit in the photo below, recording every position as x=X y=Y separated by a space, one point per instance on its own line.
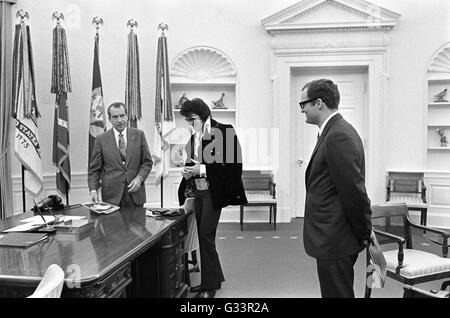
x=214 y=170
x=120 y=162
x=337 y=221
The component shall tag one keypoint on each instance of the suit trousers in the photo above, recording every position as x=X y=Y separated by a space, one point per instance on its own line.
x=207 y=217
x=336 y=277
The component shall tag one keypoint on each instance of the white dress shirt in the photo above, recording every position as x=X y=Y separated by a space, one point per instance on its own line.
x=326 y=121
x=197 y=142
x=116 y=135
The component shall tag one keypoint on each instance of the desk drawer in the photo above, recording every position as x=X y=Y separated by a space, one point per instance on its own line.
x=111 y=286
x=114 y=285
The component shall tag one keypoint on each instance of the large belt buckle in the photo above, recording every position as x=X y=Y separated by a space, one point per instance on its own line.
x=201 y=184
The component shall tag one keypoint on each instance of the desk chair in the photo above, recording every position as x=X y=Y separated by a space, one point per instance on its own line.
x=260 y=191
x=51 y=284
x=408 y=187
x=405 y=264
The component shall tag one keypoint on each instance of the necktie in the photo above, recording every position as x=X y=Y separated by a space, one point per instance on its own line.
x=122 y=147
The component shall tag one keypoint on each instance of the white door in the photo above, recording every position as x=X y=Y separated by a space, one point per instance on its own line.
x=351 y=82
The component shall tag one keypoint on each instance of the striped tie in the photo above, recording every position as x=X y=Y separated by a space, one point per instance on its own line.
x=122 y=147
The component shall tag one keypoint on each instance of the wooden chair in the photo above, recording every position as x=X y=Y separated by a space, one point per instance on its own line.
x=408 y=187
x=260 y=191
x=406 y=264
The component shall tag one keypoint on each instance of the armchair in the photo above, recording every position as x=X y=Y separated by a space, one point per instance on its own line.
x=405 y=264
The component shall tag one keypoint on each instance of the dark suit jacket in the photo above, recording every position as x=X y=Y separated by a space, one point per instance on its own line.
x=108 y=172
x=337 y=208
x=221 y=153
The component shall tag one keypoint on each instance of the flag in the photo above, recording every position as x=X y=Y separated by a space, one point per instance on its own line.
x=25 y=110
x=164 y=116
x=61 y=85
x=133 y=84
x=97 y=113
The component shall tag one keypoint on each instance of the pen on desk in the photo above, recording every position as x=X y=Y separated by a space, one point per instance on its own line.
x=40 y=213
x=51 y=212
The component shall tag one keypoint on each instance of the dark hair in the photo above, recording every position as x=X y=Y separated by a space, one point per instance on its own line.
x=195 y=106
x=324 y=89
x=116 y=105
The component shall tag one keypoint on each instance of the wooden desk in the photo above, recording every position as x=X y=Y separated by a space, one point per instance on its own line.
x=124 y=253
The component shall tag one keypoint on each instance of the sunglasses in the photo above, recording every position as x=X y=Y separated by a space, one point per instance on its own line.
x=302 y=104
x=191 y=120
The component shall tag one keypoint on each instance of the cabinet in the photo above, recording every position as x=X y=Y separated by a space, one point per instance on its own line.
x=160 y=272
x=437 y=172
x=209 y=74
x=438 y=123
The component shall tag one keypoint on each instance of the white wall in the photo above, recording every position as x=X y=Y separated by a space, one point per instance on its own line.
x=234 y=27
x=422 y=29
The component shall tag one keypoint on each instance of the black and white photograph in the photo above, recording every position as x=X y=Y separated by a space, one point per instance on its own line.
x=302 y=148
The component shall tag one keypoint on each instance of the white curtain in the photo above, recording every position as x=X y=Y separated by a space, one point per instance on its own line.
x=6 y=202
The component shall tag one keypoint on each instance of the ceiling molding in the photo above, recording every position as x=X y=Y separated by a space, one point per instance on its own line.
x=352 y=15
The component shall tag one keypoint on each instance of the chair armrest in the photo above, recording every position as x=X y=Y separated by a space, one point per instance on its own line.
x=400 y=241
x=426 y=228
x=396 y=238
x=443 y=234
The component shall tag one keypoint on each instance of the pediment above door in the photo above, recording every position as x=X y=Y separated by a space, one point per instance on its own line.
x=331 y=16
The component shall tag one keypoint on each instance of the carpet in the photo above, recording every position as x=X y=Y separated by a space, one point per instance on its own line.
x=261 y=263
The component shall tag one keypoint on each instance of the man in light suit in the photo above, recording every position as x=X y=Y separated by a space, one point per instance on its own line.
x=337 y=223
x=120 y=162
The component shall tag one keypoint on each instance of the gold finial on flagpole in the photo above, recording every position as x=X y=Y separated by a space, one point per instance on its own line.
x=163 y=27
x=22 y=14
x=97 y=21
x=132 y=23
x=58 y=16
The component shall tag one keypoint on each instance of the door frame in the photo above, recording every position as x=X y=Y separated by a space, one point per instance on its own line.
x=303 y=152
x=286 y=110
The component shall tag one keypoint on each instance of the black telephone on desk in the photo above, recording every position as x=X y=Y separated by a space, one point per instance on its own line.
x=52 y=202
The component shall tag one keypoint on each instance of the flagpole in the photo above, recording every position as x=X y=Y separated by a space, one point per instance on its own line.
x=163 y=27
x=23 y=189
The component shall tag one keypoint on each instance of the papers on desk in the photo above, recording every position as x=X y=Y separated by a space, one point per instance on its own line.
x=37 y=219
x=21 y=239
x=153 y=212
x=23 y=227
x=101 y=207
x=36 y=222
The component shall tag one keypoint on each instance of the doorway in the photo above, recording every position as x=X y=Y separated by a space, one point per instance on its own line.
x=352 y=84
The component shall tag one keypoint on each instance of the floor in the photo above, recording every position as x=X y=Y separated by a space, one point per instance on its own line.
x=261 y=263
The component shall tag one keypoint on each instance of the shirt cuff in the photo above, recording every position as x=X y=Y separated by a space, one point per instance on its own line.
x=142 y=179
x=94 y=191
x=202 y=170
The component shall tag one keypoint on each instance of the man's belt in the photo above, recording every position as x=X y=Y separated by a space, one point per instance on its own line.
x=201 y=184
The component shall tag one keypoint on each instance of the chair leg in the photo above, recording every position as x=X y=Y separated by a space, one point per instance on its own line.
x=270 y=214
x=369 y=272
x=275 y=217
x=242 y=217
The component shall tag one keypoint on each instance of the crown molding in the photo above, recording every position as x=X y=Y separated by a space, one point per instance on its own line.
x=356 y=15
